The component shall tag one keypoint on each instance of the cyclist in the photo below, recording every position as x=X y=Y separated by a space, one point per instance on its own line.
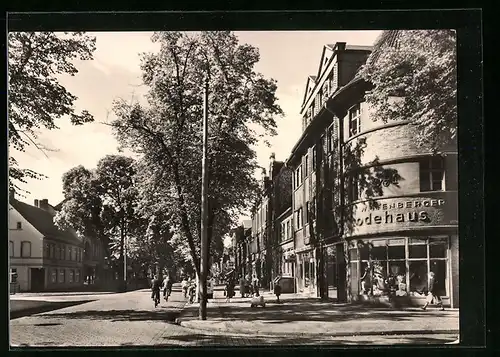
x=155 y=289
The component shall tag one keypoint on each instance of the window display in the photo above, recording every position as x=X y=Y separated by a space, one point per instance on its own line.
x=398 y=266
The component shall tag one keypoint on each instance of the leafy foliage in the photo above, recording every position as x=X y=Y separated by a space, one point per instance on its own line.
x=36 y=98
x=421 y=67
x=102 y=203
x=168 y=132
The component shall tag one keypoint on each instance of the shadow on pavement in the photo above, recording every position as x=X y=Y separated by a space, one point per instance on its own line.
x=197 y=339
x=167 y=315
x=316 y=311
x=37 y=307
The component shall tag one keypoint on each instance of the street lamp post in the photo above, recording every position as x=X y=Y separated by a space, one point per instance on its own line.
x=204 y=208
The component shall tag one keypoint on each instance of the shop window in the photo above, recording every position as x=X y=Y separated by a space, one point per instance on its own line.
x=437 y=250
x=418 y=276
x=355 y=120
x=396 y=252
x=11 y=248
x=71 y=276
x=418 y=251
x=438 y=267
x=25 y=249
x=379 y=253
x=61 y=275
x=53 y=276
x=77 y=276
x=364 y=252
x=432 y=174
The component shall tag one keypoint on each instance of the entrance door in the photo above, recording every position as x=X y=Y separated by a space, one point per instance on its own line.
x=37 y=279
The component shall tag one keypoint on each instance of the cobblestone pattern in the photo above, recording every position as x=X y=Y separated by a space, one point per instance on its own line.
x=130 y=319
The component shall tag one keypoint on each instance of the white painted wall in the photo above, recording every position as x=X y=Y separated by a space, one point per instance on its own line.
x=26 y=233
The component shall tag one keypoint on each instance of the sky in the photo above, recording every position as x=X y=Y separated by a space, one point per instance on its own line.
x=287 y=56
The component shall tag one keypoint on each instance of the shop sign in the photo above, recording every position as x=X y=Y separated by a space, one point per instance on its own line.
x=391 y=214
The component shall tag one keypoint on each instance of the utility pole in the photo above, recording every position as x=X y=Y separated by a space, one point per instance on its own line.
x=204 y=209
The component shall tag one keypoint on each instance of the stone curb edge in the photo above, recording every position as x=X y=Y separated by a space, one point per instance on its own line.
x=185 y=323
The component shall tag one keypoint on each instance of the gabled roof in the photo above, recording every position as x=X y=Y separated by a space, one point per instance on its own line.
x=310 y=79
x=322 y=63
x=43 y=222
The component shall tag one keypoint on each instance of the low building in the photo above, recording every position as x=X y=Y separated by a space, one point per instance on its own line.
x=42 y=257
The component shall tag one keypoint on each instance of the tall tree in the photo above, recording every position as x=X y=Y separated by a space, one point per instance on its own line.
x=103 y=203
x=36 y=98
x=419 y=66
x=168 y=132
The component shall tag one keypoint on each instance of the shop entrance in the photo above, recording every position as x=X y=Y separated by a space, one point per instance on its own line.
x=335 y=272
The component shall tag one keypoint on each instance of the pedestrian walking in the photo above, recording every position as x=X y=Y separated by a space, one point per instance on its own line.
x=229 y=289
x=184 y=286
x=255 y=285
x=432 y=294
x=242 y=286
x=155 y=288
x=167 y=287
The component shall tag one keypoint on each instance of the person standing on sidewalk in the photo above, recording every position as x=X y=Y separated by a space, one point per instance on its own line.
x=242 y=286
x=432 y=295
x=184 y=286
x=255 y=284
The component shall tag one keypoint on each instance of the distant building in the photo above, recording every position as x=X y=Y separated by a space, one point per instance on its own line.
x=46 y=258
x=42 y=257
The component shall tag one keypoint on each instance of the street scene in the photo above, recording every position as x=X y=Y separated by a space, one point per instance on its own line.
x=220 y=188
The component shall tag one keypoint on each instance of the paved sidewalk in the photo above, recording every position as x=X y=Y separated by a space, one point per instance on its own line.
x=301 y=316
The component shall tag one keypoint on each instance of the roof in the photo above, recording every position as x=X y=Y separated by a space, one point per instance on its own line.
x=43 y=221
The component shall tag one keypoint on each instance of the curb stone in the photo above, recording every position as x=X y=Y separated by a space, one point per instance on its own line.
x=185 y=323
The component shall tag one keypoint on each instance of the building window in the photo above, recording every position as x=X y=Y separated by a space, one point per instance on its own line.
x=69 y=254
x=11 y=248
x=71 y=276
x=77 y=276
x=52 y=251
x=73 y=254
x=299 y=218
x=25 y=249
x=53 y=276
x=306 y=165
x=19 y=225
x=431 y=174
x=46 y=250
x=63 y=252
x=58 y=254
x=355 y=120
x=298 y=176
x=329 y=139
x=353 y=188
x=308 y=216
x=13 y=275
x=288 y=229
x=314 y=159
x=61 y=276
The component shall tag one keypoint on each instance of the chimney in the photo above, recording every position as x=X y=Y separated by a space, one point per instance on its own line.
x=341 y=46
x=44 y=204
x=36 y=203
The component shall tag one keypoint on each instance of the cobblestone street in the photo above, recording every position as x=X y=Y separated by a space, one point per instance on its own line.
x=129 y=319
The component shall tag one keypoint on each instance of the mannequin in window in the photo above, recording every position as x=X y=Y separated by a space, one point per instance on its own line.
x=366 y=280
